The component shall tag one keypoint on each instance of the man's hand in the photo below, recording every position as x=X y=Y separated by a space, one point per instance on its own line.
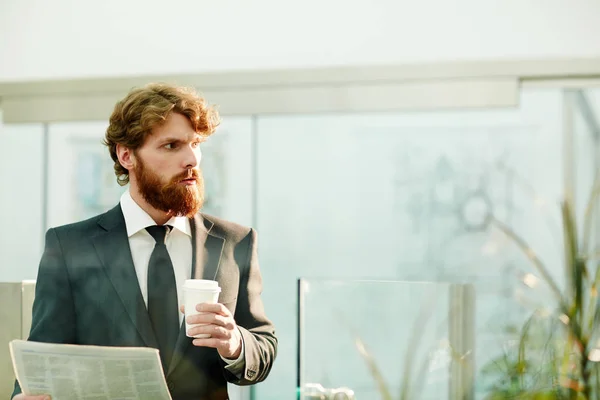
x=38 y=397
x=224 y=333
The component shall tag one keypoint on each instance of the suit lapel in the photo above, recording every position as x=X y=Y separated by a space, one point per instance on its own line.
x=113 y=250
x=207 y=248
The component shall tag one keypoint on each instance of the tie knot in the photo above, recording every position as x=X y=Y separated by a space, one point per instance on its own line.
x=158 y=232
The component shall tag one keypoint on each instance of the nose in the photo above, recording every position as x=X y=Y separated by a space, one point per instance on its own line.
x=192 y=157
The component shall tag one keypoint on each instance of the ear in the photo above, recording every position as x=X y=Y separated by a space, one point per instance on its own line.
x=126 y=157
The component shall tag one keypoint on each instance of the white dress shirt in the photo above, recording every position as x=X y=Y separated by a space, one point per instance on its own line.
x=178 y=242
x=179 y=247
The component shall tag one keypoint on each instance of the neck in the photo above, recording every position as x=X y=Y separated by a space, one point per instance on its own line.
x=160 y=217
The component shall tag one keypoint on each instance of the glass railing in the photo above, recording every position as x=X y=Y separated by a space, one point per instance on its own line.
x=407 y=340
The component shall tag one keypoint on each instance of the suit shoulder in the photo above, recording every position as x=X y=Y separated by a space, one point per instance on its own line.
x=228 y=229
x=79 y=227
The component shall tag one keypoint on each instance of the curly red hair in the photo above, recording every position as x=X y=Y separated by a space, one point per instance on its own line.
x=134 y=117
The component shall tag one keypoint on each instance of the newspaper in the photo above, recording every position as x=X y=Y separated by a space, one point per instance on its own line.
x=68 y=372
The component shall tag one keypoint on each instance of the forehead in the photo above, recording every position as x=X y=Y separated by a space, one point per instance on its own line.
x=176 y=126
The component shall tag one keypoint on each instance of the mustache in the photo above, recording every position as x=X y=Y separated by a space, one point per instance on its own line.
x=189 y=174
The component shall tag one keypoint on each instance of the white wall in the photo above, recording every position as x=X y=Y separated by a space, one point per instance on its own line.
x=67 y=38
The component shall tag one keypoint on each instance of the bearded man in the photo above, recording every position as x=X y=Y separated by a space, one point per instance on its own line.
x=116 y=279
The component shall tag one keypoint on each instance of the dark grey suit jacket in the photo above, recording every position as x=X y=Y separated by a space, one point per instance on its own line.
x=87 y=293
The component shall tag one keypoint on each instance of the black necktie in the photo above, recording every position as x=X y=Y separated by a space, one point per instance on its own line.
x=162 y=296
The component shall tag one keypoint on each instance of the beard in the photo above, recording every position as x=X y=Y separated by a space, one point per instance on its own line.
x=171 y=197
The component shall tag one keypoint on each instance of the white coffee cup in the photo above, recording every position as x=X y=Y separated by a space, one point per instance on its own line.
x=196 y=291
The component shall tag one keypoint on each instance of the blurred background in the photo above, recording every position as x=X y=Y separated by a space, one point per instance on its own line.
x=367 y=141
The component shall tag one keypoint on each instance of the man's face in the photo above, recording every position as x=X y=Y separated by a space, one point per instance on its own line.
x=167 y=170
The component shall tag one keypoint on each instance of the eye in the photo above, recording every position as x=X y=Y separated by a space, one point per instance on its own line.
x=170 y=146
x=196 y=144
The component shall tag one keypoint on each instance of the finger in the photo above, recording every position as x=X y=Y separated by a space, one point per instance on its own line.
x=215 y=331
x=216 y=308
x=210 y=342
x=210 y=318
x=182 y=308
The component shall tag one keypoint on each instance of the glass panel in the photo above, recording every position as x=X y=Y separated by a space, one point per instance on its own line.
x=413 y=340
x=586 y=136
x=349 y=329
x=405 y=196
x=21 y=199
x=82 y=182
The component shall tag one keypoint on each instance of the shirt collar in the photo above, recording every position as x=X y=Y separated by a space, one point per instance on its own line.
x=136 y=219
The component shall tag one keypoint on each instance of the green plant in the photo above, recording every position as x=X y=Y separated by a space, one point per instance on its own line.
x=568 y=366
x=529 y=370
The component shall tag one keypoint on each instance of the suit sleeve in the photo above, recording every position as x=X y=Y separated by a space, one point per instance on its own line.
x=258 y=332
x=53 y=314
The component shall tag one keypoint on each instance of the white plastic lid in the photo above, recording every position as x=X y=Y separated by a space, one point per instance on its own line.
x=201 y=284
